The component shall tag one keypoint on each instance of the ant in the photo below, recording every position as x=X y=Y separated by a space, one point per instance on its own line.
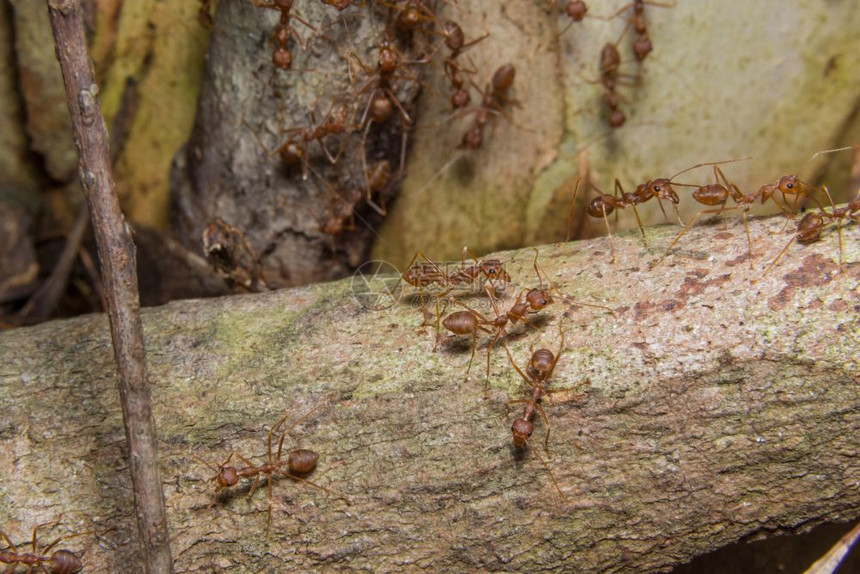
x=792 y=185
x=296 y=149
x=299 y=463
x=339 y=5
x=59 y=562
x=231 y=255
x=661 y=189
x=493 y=100
x=642 y=45
x=542 y=363
x=455 y=41
x=812 y=223
x=610 y=76
x=282 y=58
x=717 y=194
x=604 y=204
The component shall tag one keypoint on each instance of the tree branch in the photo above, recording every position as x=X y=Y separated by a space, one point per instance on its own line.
x=116 y=253
x=714 y=410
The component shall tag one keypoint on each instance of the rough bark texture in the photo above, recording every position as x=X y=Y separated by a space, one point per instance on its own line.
x=226 y=173
x=714 y=410
x=119 y=275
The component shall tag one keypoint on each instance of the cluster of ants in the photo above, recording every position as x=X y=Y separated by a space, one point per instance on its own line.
x=490 y=276
x=492 y=280
x=715 y=198
x=372 y=107
x=609 y=67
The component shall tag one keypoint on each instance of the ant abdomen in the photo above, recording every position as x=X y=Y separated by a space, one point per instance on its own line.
x=302 y=461
x=65 y=562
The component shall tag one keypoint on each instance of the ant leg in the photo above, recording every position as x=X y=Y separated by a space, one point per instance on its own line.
x=254 y=486
x=609 y=233
x=340 y=495
x=546 y=422
x=778 y=257
x=9 y=542
x=517 y=367
x=639 y=223
x=570 y=210
x=749 y=239
x=549 y=472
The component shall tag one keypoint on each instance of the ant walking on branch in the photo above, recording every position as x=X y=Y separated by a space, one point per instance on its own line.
x=282 y=57
x=60 y=561
x=299 y=463
x=642 y=45
x=811 y=225
x=542 y=365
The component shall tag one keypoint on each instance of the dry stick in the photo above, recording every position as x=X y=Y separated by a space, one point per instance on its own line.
x=43 y=302
x=117 y=256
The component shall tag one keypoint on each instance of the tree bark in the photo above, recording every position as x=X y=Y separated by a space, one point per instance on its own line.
x=706 y=409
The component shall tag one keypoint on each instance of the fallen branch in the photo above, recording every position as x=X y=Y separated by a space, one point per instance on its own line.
x=714 y=409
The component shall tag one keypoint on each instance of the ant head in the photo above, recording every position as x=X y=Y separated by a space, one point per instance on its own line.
x=493 y=269
x=538 y=299
x=522 y=430
x=302 y=461
x=282 y=59
x=790 y=184
x=576 y=9
x=65 y=562
x=472 y=139
x=227 y=476
x=284 y=5
x=454 y=37
x=662 y=189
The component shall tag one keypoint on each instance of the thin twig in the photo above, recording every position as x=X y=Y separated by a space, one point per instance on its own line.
x=117 y=256
x=42 y=303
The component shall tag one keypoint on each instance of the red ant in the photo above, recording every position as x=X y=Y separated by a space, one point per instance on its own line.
x=339 y=5
x=642 y=45
x=296 y=149
x=282 y=58
x=610 y=76
x=543 y=364
x=493 y=100
x=792 y=185
x=812 y=223
x=661 y=189
x=604 y=204
x=455 y=40
x=59 y=562
x=299 y=462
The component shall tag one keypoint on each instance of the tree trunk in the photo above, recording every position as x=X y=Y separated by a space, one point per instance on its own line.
x=707 y=408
